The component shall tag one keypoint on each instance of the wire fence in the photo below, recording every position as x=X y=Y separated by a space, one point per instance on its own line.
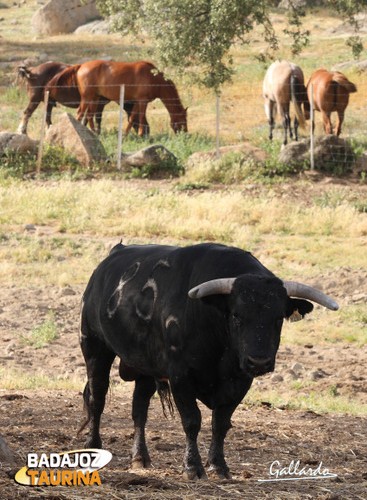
x=231 y=119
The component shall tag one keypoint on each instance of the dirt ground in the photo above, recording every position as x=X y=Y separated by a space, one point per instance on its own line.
x=47 y=420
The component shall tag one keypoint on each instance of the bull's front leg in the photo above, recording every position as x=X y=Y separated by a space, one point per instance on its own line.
x=191 y=422
x=221 y=423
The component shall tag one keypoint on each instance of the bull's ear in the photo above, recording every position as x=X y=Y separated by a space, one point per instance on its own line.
x=297 y=308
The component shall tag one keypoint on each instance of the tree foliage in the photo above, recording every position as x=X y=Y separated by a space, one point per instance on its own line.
x=195 y=36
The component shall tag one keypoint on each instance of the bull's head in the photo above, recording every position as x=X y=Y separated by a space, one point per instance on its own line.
x=257 y=306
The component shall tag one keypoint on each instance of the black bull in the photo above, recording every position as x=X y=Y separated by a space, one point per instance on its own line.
x=201 y=321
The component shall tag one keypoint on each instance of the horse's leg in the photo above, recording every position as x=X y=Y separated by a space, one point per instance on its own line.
x=339 y=122
x=98 y=114
x=142 y=109
x=296 y=128
x=50 y=105
x=269 y=112
x=27 y=113
x=327 y=122
x=286 y=123
x=144 y=389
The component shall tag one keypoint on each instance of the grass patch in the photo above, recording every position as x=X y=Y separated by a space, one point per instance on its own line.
x=43 y=334
x=18 y=380
x=326 y=401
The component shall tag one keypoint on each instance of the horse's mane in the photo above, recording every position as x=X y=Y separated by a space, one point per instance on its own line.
x=66 y=78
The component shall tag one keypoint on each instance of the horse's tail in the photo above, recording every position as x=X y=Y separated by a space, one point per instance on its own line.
x=343 y=81
x=298 y=95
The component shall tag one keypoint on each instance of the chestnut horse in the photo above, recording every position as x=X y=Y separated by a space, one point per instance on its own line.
x=46 y=77
x=330 y=91
x=143 y=83
x=283 y=83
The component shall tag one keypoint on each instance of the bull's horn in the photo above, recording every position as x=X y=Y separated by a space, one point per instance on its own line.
x=221 y=286
x=302 y=291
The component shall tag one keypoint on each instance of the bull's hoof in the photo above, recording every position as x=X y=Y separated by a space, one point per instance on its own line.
x=221 y=472
x=192 y=474
x=140 y=463
x=93 y=443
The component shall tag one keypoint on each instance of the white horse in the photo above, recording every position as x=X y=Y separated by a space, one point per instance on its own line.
x=283 y=83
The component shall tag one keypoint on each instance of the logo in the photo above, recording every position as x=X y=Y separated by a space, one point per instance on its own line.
x=294 y=472
x=68 y=468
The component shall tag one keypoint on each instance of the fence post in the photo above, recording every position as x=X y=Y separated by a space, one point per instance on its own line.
x=217 y=125
x=312 y=117
x=119 y=140
x=42 y=136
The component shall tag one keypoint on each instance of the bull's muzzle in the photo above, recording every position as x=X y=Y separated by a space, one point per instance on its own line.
x=259 y=366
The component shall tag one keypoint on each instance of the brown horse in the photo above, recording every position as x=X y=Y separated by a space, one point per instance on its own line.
x=143 y=83
x=46 y=77
x=283 y=83
x=36 y=79
x=329 y=91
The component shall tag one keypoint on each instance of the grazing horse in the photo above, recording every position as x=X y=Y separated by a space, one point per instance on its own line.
x=46 y=77
x=143 y=83
x=283 y=83
x=329 y=91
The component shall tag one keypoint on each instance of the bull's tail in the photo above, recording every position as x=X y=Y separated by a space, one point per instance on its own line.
x=86 y=396
x=343 y=81
x=165 y=395
x=298 y=93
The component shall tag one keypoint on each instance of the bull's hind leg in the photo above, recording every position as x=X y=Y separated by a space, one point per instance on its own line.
x=98 y=359
x=144 y=389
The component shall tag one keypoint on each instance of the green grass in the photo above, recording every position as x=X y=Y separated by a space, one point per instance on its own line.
x=43 y=334
x=320 y=401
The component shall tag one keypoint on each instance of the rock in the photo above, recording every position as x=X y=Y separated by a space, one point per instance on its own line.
x=317 y=374
x=152 y=155
x=292 y=375
x=245 y=148
x=99 y=27
x=18 y=143
x=330 y=153
x=63 y=16
x=297 y=4
x=67 y=291
x=77 y=139
x=297 y=368
x=277 y=378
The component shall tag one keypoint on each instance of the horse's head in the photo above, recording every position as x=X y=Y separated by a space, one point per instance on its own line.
x=179 y=120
